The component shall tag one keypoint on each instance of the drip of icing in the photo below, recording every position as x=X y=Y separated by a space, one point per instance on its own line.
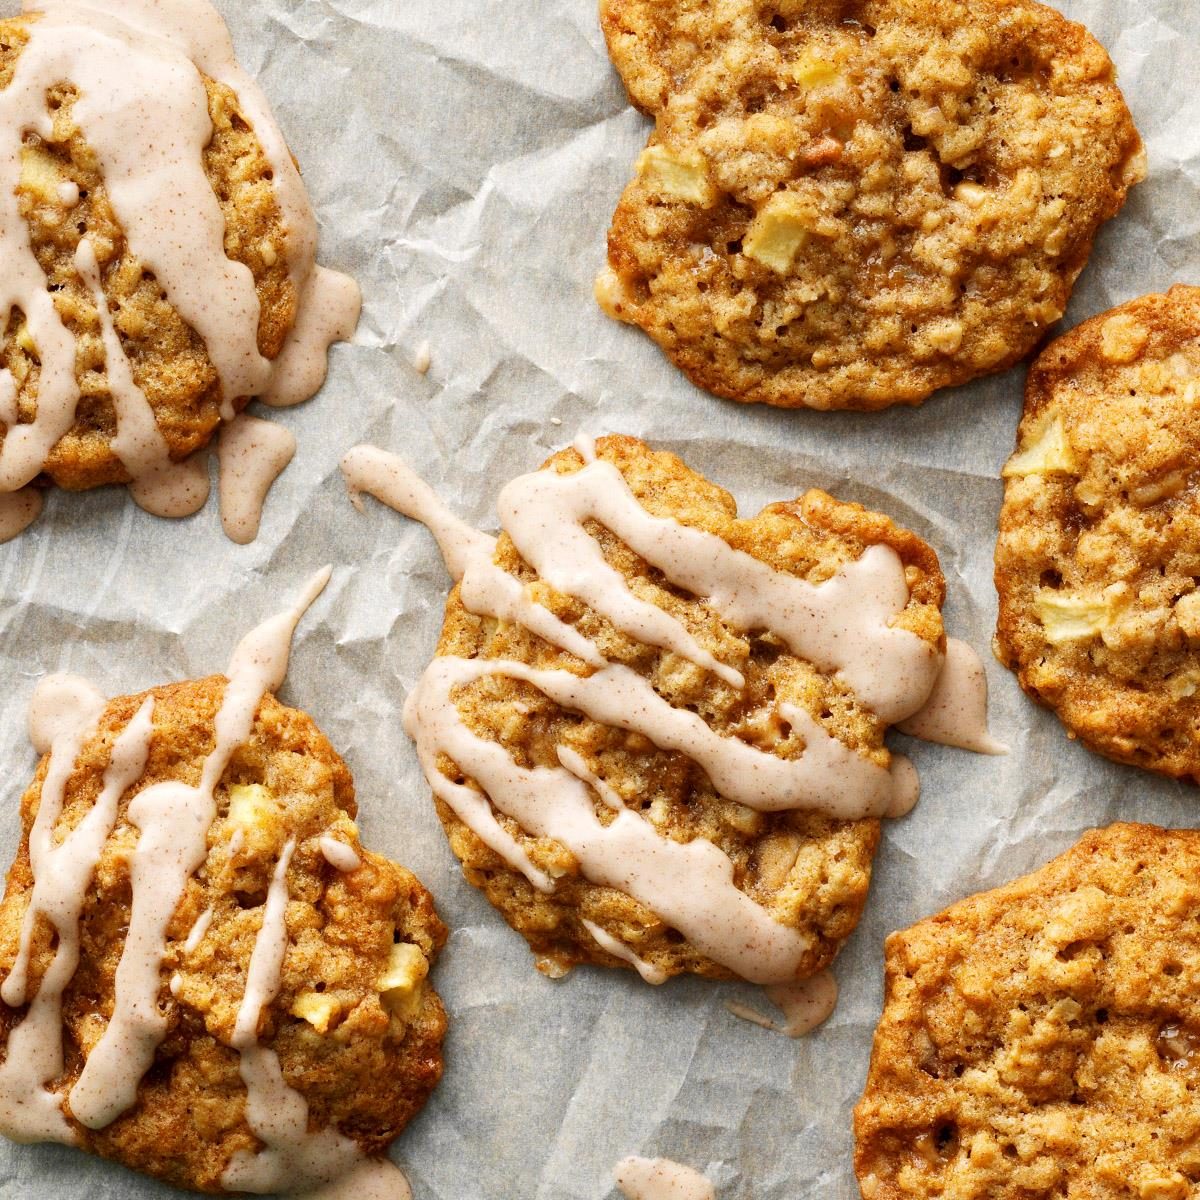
x=62 y=873
x=328 y=312
x=68 y=193
x=906 y=785
x=138 y=443
x=143 y=109
x=843 y=624
x=956 y=712
x=661 y=1179
x=689 y=885
x=237 y=842
x=18 y=510
x=338 y=855
x=371 y=1179
x=578 y=767
x=828 y=777
x=175 y=490
x=386 y=478
x=291 y=1156
x=266 y=959
x=805 y=1005
x=614 y=946
x=62 y=705
x=174 y=820
x=198 y=930
x=252 y=455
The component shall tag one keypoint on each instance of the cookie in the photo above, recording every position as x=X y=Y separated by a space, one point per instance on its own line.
x=206 y=976
x=853 y=203
x=1099 y=550
x=159 y=248
x=655 y=730
x=1040 y=1039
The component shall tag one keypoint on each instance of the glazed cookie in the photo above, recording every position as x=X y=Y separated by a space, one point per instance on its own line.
x=205 y=975
x=158 y=245
x=852 y=203
x=1099 y=550
x=1039 y=1040
x=655 y=730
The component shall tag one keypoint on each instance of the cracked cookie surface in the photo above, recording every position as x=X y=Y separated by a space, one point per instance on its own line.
x=853 y=203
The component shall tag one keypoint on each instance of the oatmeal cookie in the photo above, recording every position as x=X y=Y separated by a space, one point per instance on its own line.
x=355 y=1024
x=169 y=360
x=809 y=871
x=1040 y=1040
x=1099 y=551
x=853 y=203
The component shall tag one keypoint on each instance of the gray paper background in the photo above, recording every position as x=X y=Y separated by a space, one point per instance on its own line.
x=464 y=157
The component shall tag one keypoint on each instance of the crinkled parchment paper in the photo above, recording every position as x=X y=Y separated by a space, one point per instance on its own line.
x=464 y=157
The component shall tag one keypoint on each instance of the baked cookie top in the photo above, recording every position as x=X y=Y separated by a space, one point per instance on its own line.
x=158 y=244
x=654 y=729
x=1039 y=1040
x=852 y=203
x=1099 y=551
x=206 y=977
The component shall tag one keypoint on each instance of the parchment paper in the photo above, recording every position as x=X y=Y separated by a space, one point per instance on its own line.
x=464 y=157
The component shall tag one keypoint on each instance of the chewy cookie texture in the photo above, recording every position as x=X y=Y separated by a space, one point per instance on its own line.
x=354 y=1023
x=1099 y=551
x=1039 y=1040
x=808 y=870
x=852 y=203
x=160 y=253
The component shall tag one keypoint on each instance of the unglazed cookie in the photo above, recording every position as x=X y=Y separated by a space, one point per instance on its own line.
x=1099 y=551
x=205 y=975
x=655 y=730
x=158 y=245
x=1040 y=1039
x=852 y=203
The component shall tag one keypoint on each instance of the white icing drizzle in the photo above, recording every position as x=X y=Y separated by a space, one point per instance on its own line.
x=845 y=624
x=329 y=309
x=29 y=1111
x=61 y=705
x=956 y=712
x=143 y=109
x=605 y=940
x=371 y=1179
x=252 y=455
x=174 y=819
x=138 y=443
x=805 y=1005
x=174 y=491
x=198 y=930
x=291 y=1156
x=661 y=1179
x=19 y=510
x=338 y=855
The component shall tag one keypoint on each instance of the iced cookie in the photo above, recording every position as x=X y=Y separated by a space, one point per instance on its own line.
x=1099 y=552
x=852 y=203
x=655 y=730
x=158 y=247
x=205 y=975
x=1040 y=1039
